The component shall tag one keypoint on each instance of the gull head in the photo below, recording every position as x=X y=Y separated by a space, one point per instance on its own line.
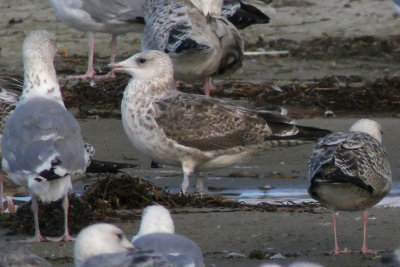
x=155 y=219
x=97 y=239
x=368 y=126
x=209 y=7
x=39 y=46
x=148 y=65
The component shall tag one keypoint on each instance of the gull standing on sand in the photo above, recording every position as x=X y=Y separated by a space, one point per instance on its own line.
x=199 y=41
x=42 y=144
x=350 y=172
x=104 y=245
x=106 y=16
x=194 y=131
x=157 y=232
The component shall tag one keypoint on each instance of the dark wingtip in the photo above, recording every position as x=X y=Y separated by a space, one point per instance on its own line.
x=98 y=166
x=311 y=133
x=248 y=15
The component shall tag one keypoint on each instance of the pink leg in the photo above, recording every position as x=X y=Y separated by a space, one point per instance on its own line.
x=364 y=248
x=177 y=85
x=1 y=191
x=90 y=71
x=113 y=46
x=66 y=236
x=336 y=249
x=208 y=86
x=200 y=184
x=35 y=208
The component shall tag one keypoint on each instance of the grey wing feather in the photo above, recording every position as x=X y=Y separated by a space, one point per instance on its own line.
x=168 y=27
x=129 y=259
x=41 y=130
x=177 y=249
x=122 y=10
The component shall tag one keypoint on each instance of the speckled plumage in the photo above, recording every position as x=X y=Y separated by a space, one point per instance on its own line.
x=200 y=46
x=350 y=172
x=194 y=131
x=354 y=158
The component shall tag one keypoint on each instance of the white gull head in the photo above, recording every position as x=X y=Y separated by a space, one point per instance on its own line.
x=97 y=239
x=40 y=77
x=155 y=219
x=368 y=126
x=149 y=66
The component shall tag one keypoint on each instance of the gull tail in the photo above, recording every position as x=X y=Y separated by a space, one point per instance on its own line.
x=99 y=166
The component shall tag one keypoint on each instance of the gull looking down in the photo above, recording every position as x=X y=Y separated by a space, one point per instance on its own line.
x=104 y=245
x=42 y=145
x=157 y=232
x=200 y=42
x=106 y=16
x=193 y=131
x=350 y=172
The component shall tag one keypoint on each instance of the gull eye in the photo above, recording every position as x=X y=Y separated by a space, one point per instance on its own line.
x=141 y=60
x=119 y=235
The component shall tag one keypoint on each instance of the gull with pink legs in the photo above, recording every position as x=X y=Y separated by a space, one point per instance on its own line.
x=350 y=172
x=105 y=16
x=42 y=145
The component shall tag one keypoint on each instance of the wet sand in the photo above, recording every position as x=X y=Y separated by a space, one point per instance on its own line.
x=305 y=234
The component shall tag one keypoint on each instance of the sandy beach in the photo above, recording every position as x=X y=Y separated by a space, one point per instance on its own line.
x=301 y=234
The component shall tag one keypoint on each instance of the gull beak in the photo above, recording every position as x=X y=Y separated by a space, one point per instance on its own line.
x=62 y=51
x=117 y=66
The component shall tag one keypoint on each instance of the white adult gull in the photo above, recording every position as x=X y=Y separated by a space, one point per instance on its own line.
x=104 y=245
x=350 y=172
x=114 y=17
x=42 y=144
x=157 y=232
x=195 y=131
x=8 y=102
x=199 y=41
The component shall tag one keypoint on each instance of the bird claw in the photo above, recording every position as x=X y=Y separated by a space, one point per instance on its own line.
x=65 y=238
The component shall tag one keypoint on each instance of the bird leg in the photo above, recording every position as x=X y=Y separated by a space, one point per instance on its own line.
x=200 y=184
x=188 y=169
x=35 y=209
x=66 y=236
x=208 y=86
x=90 y=71
x=336 y=249
x=113 y=46
x=1 y=191
x=364 y=248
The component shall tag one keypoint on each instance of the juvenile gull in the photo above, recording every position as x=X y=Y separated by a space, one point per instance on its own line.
x=194 y=131
x=104 y=245
x=350 y=172
x=157 y=232
x=106 y=16
x=199 y=41
x=42 y=145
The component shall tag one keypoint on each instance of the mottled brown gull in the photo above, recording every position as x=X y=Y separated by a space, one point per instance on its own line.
x=193 y=131
x=199 y=41
x=114 y=17
x=104 y=245
x=350 y=172
x=46 y=150
x=157 y=232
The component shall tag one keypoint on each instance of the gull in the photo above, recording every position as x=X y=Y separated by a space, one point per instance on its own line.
x=18 y=256
x=114 y=17
x=8 y=102
x=195 y=132
x=42 y=146
x=157 y=232
x=350 y=172
x=200 y=42
x=104 y=245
